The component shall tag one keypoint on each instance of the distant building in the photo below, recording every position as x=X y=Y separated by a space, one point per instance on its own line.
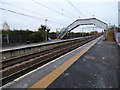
x=5 y=26
x=119 y=13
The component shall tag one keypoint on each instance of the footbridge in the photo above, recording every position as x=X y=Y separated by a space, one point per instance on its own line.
x=79 y=22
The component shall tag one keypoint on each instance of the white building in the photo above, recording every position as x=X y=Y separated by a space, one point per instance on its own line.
x=119 y=13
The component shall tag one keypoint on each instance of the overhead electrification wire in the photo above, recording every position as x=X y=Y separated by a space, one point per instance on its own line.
x=19 y=13
x=55 y=5
x=59 y=7
x=26 y=10
x=18 y=7
x=34 y=17
x=51 y=9
x=30 y=10
x=79 y=11
x=75 y=8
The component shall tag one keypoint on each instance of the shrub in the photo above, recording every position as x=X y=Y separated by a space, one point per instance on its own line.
x=36 y=37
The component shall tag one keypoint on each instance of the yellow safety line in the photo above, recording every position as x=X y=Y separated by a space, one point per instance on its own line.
x=48 y=79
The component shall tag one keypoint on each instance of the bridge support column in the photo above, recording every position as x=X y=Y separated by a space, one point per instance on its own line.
x=106 y=33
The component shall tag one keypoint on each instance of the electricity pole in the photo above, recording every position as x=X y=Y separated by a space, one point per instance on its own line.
x=46 y=29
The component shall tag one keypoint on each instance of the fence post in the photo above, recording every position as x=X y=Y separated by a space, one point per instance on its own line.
x=7 y=37
x=20 y=38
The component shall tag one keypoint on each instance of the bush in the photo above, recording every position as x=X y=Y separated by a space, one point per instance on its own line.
x=37 y=37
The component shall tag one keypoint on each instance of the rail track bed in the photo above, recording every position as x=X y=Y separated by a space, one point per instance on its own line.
x=18 y=66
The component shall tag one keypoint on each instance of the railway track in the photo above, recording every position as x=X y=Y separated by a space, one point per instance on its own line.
x=16 y=67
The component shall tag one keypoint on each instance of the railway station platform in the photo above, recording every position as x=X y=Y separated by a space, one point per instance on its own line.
x=93 y=65
x=19 y=46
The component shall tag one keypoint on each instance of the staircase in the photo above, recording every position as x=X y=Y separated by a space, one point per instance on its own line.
x=110 y=36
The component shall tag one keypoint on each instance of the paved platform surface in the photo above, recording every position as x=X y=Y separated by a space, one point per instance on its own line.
x=34 y=76
x=97 y=68
x=18 y=46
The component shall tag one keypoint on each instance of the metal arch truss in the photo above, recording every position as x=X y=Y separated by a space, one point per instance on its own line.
x=90 y=21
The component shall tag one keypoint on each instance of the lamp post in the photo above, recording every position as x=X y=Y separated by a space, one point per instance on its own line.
x=46 y=29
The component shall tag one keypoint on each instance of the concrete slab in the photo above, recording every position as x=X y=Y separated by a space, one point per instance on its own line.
x=97 y=68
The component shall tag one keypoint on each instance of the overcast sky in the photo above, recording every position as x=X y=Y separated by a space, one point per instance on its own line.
x=61 y=15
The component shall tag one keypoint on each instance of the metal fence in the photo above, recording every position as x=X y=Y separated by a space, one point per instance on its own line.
x=15 y=38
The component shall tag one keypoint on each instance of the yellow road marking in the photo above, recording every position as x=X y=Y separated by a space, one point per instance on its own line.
x=48 y=79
